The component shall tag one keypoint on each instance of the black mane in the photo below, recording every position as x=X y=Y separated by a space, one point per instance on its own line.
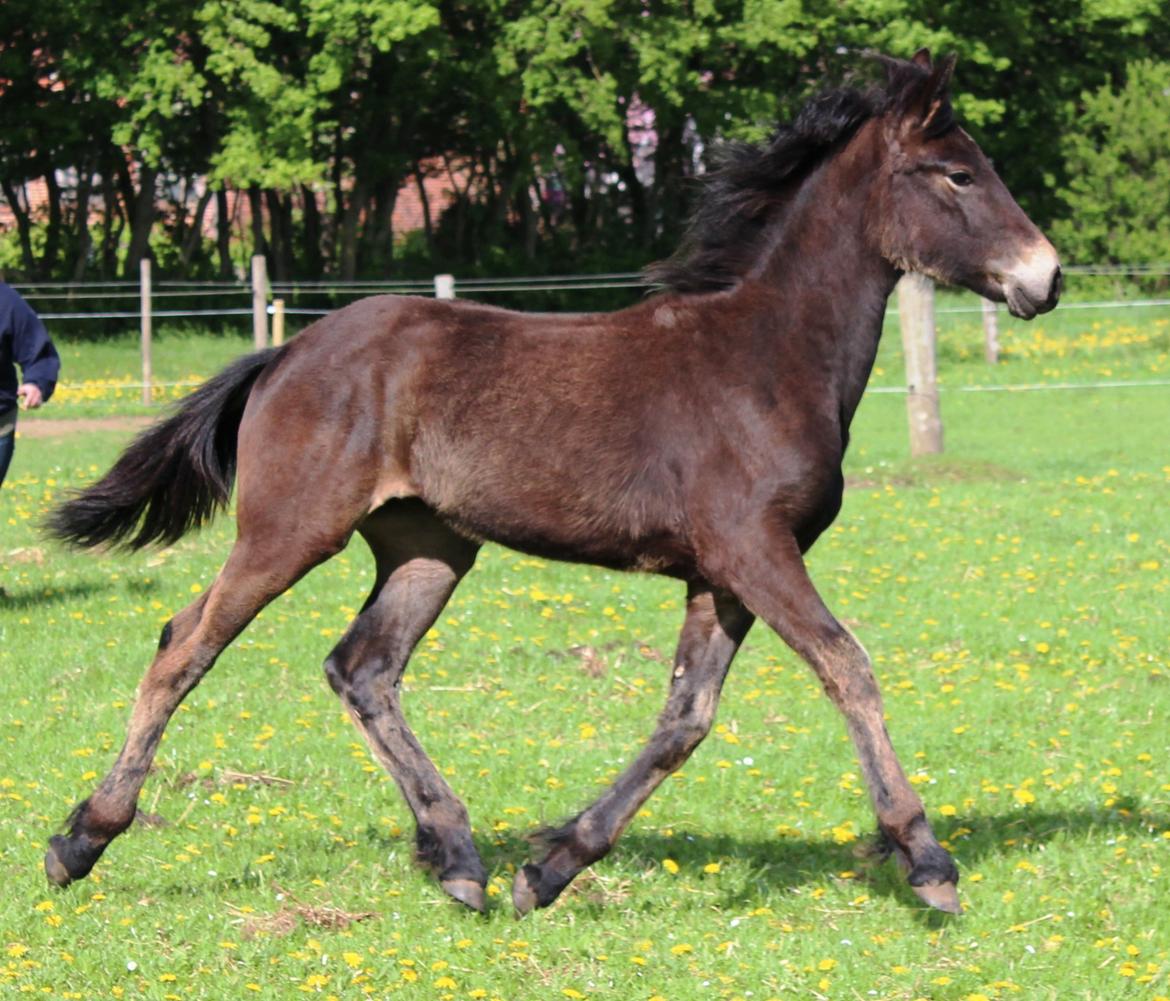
x=751 y=186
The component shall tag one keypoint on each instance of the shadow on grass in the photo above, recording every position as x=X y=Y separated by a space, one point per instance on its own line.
x=17 y=599
x=790 y=863
x=778 y=865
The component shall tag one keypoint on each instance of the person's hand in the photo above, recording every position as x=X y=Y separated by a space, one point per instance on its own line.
x=30 y=396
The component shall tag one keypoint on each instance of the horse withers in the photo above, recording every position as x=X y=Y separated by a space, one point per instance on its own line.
x=698 y=434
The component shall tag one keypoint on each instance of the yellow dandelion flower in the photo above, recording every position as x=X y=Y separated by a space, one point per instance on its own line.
x=844 y=833
x=670 y=865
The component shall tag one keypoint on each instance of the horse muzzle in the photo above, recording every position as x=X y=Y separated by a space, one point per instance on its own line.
x=1032 y=284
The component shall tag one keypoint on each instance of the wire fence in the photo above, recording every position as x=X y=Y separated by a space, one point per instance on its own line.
x=97 y=301
x=268 y=303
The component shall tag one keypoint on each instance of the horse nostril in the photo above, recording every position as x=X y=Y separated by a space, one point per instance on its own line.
x=1057 y=285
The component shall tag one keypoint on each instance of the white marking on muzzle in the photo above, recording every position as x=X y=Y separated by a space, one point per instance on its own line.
x=1030 y=283
x=1033 y=272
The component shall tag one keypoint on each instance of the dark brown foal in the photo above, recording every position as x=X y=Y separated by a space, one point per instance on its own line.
x=699 y=434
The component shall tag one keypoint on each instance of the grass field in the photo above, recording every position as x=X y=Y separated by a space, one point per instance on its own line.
x=1013 y=593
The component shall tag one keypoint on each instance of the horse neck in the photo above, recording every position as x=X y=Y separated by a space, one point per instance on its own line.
x=832 y=280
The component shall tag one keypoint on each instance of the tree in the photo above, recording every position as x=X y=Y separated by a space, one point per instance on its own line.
x=1118 y=159
x=575 y=126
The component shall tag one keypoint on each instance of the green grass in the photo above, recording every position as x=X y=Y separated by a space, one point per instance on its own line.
x=1013 y=595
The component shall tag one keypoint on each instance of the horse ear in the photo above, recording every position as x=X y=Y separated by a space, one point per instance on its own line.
x=921 y=58
x=936 y=94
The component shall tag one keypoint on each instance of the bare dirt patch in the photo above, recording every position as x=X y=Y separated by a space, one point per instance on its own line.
x=41 y=427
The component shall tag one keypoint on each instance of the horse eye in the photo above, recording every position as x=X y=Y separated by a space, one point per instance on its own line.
x=960 y=178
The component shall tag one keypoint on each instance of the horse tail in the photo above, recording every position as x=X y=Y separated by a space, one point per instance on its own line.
x=174 y=476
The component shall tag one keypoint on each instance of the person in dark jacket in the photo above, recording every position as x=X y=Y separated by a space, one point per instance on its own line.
x=24 y=342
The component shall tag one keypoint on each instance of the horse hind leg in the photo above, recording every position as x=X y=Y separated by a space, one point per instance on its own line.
x=253 y=575
x=419 y=562
x=715 y=626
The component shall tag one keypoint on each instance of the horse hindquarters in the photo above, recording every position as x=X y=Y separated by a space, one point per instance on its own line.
x=256 y=572
x=290 y=519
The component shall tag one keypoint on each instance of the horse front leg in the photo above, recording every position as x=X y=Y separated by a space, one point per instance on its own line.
x=714 y=628
x=773 y=582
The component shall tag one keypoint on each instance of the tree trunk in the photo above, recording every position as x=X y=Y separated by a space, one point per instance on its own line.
x=641 y=212
x=377 y=243
x=462 y=204
x=256 y=207
x=314 y=261
x=223 y=235
x=53 y=231
x=194 y=238
x=113 y=217
x=425 y=202
x=348 y=234
x=142 y=221
x=83 y=241
x=333 y=237
x=23 y=225
x=279 y=243
x=178 y=235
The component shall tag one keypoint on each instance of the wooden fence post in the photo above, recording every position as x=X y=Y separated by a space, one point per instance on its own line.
x=444 y=286
x=147 y=333
x=259 y=303
x=916 y=312
x=990 y=332
x=277 y=322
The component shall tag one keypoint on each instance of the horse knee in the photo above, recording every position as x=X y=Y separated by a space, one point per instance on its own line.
x=335 y=674
x=179 y=627
x=684 y=734
x=364 y=684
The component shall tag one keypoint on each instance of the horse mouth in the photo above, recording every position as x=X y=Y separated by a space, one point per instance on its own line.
x=1019 y=305
x=1026 y=303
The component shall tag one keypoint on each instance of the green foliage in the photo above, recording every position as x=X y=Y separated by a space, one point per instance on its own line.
x=319 y=111
x=1118 y=195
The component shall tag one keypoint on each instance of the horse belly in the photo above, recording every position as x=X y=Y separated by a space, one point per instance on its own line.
x=580 y=514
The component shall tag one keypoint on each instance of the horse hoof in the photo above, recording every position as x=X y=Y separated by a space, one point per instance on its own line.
x=524 y=897
x=467 y=892
x=943 y=896
x=55 y=868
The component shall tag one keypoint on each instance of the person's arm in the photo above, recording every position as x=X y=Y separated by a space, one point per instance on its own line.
x=34 y=352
